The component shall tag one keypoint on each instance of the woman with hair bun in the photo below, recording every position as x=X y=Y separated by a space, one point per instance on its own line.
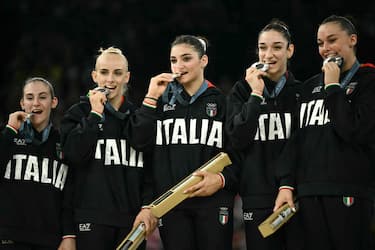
x=261 y=117
x=182 y=121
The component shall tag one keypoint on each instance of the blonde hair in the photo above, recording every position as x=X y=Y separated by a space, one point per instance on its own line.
x=112 y=50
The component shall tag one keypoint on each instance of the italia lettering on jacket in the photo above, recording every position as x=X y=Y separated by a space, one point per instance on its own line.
x=118 y=152
x=313 y=113
x=36 y=169
x=193 y=131
x=273 y=126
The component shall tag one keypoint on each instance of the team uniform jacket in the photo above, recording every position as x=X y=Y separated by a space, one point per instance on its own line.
x=33 y=207
x=110 y=181
x=183 y=138
x=258 y=131
x=329 y=153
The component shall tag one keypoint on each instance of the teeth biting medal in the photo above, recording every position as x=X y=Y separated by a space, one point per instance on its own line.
x=261 y=66
x=336 y=59
x=102 y=89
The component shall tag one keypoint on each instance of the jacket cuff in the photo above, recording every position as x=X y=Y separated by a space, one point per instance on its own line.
x=69 y=236
x=94 y=118
x=254 y=98
x=332 y=88
x=287 y=182
x=9 y=133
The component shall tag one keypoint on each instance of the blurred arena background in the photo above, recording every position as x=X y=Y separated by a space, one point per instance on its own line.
x=59 y=39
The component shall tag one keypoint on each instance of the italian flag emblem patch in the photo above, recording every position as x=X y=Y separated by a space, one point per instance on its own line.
x=348 y=200
x=223 y=215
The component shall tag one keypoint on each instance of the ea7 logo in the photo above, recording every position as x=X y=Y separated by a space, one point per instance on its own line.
x=84 y=227
x=169 y=107
x=20 y=142
x=6 y=242
x=100 y=126
x=317 y=89
x=248 y=216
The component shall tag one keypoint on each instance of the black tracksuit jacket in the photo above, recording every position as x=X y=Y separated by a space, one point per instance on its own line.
x=258 y=132
x=329 y=154
x=110 y=180
x=183 y=138
x=34 y=184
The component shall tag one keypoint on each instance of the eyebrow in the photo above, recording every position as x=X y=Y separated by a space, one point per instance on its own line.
x=40 y=93
x=186 y=54
x=329 y=36
x=105 y=69
x=274 y=43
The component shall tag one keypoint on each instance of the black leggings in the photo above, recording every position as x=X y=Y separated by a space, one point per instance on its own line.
x=329 y=224
x=197 y=229
x=92 y=236
x=11 y=245
x=289 y=236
